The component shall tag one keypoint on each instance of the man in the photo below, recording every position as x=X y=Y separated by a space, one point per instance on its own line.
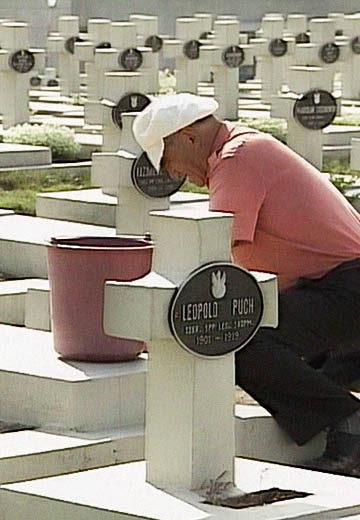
x=289 y=220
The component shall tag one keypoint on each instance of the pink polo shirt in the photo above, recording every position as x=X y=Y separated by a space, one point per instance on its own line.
x=290 y=218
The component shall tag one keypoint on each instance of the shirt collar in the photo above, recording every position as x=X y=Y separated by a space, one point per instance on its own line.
x=221 y=137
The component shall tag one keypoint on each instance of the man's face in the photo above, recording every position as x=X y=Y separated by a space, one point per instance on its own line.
x=181 y=159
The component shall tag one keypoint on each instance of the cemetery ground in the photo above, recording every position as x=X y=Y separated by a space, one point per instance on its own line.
x=72 y=454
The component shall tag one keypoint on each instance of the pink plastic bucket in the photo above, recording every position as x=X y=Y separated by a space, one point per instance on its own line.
x=78 y=268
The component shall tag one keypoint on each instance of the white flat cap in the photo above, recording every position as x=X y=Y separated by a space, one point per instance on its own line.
x=166 y=115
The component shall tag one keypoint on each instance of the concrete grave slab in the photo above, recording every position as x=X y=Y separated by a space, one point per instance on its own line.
x=13 y=155
x=92 y=206
x=23 y=242
x=30 y=454
x=120 y=492
x=12 y=299
x=58 y=393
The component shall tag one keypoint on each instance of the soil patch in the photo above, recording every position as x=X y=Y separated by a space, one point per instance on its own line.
x=259 y=498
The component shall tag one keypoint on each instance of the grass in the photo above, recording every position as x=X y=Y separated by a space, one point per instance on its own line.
x=18 y=189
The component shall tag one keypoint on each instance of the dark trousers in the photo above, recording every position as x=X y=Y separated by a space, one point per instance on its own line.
x=294 y=370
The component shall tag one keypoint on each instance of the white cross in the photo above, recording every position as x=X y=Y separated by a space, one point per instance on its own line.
x=62 y=43
x=17 y=63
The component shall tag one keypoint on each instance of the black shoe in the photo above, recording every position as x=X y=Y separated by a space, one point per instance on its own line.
x=341 y=455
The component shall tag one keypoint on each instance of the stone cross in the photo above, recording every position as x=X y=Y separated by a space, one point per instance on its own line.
x=148 y=36
x=62 y=43
x=271 y=50
x=17 y=61
x=97 y=37
x=189 y=424
x=185 y=48
x=351 y=65
x=224 y=57
x=116 y=85
x=123 y=55
x=323 y=50
x=309 y=107
x=127 y=175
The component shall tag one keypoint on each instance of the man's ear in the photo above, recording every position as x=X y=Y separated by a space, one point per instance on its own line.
x=190 y=134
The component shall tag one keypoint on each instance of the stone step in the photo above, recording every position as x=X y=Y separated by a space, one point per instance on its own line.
x=340 y=134
x=92 y=206
x=23 y=242
x=40 y=390
x=59 y=393
x=337 y=151
x=258 y=436
x=23 y=155
x=30 y=454
x=37 y=307
x=13 y=299
x=120 y=492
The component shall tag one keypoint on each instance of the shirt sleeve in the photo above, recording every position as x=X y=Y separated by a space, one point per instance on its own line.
x=236 y=186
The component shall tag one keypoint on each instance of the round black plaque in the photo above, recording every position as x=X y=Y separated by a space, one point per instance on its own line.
x=315 y=109
x=278 y=47
x=150 y=182
x=233 y=56
x=70 y=43
x=53 y=83
x=191 y=49
x=22 y=61
x=133 y=102
x=329 y=52
x=155 y=42
x=130 y=59
x=205 y=35
x=216 y=310
x=35 y=81
x=103 y=45
x=302 y=38
x=355 y=45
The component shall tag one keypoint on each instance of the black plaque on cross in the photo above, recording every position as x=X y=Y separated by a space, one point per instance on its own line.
x=278 y=47
x=103 y=45
x=216 y=310
x=133 y=102
x=70 y=43
x=205 y=35
x=35 y=81
x=355 y=45
x=233 y=56
x=191 y=49
x=315 y=110
x=130 y=59
x=53 y=83
x=22 y=61
x=151 y=182
x=154 y=42
x=302 y=38
x=329 y=52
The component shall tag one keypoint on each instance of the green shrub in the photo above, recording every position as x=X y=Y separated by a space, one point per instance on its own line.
x=347 y=119
x=273 y=126
x=60 y=139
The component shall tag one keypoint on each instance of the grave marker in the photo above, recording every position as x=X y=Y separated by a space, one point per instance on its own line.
x=17 y=62
x=351 y=65
x=224 y=57
x=272 y=49
x=124 y=55
x=63 y=44
x=199 y=444
x=185 y=48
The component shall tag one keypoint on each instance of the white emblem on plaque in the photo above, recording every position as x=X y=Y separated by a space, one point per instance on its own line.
x=218 y=284
x=133 y=101
x=317 y=98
